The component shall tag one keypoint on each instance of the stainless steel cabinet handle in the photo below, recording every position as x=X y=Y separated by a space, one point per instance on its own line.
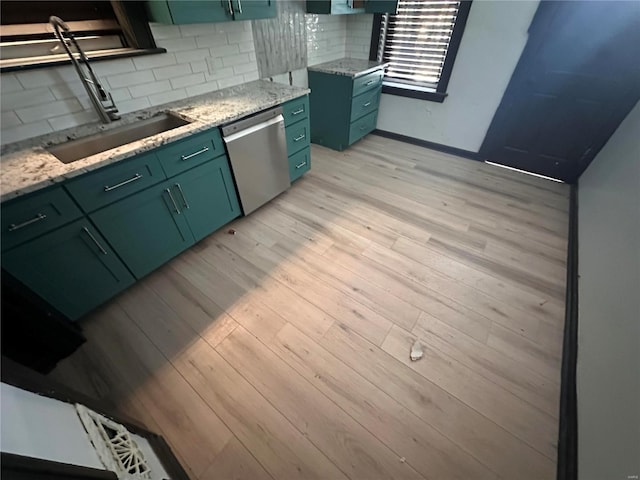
x=184 y=199
x=137 y=176
x=40 y=216
x=364 y=127
x=370 y=82
x=298 y=112
x=230 y=7
x=240 y=6
x=95 y=240
x=366 y=104
x=300 y=165
x=173 y=200
x=194 y=154
x=297 y=139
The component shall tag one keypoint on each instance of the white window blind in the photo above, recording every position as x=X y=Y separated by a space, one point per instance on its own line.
x=415 y=41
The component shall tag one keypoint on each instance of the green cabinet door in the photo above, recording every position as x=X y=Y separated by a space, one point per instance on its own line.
x=146 y=229
x=185 y=11
x=207 y=197
x=73 y=268
x=254 y=9
x=381 y=6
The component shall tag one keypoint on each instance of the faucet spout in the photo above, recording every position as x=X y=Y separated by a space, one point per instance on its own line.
x=100 y=99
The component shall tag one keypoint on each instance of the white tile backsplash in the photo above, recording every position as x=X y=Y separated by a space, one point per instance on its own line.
x=200 y=58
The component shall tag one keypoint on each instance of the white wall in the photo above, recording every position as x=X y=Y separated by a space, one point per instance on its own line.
x=200 y=58
x=494 y=37
x=358 y=41
x=608 y=373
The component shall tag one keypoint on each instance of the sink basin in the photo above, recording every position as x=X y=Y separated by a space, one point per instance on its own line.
x=100 y=142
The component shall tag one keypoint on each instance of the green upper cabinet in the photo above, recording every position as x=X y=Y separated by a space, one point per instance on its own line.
x=206 y=11
x=72 y=268
x=381 y=6
x=254 y=9
x=340 y=7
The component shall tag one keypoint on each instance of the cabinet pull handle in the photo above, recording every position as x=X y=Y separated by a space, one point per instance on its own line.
x=366 y=104
x=240 y=7
x=173 y=200
x=298 y=112
x=137 y=176
x=300 y=165
x=363 y=127
x=95 y=240
x=195 y=154
x=184 y=199
x=230 y=7
x=370 y=82
x=297 y=139
x=40 y=216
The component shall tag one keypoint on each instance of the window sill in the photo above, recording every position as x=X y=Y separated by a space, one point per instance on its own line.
x=411 y=92
x=19 y=64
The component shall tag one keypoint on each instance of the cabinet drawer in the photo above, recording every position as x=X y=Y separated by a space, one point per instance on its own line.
x=190 y=152
x=298 y=136
x=367 y=82
x=295 y=110
x=28 y=217
x=299 y=163
x=361 y=127
x=366 y=103
x=112 y=183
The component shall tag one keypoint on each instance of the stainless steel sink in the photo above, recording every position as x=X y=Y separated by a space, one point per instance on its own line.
x=101 y=142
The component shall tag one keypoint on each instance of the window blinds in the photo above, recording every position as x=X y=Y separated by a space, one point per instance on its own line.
x=415 y=41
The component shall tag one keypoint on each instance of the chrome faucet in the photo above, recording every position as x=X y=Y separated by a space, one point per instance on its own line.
x=101 y=99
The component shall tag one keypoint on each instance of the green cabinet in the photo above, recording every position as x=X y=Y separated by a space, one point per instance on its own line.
x=73 y=268
x=28 y=217
x=298 y=134
x=146 y=229
x=206 y=11
x=151 y=227
x=343 y=108
x=207 y=197
x=340 y=7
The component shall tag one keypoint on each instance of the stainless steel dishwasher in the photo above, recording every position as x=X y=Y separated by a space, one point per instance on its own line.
x=257 y=149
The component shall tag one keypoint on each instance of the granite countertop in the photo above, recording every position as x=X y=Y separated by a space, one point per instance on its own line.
x=26 y=166
x=350 y=67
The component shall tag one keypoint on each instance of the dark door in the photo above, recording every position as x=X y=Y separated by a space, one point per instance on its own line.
x=577 y=78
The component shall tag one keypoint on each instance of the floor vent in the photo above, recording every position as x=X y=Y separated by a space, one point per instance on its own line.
x=114 y=445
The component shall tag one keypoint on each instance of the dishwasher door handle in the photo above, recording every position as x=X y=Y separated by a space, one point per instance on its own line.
x=254 y=128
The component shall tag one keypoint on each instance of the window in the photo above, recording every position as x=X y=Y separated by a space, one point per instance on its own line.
x=420 y=43
x=103 y=29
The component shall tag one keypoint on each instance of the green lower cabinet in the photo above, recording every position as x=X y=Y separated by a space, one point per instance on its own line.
x=146 y=229
x=73 y=268
x=207 y=197
x=153 y=226
x=299 y=163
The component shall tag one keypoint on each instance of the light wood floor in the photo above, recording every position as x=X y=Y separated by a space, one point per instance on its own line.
x=282 y=351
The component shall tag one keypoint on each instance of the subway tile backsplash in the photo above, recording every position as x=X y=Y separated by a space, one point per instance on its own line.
x=200 y=58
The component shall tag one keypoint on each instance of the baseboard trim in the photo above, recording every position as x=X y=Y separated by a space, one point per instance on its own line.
x=567 y=468
x=432 y=145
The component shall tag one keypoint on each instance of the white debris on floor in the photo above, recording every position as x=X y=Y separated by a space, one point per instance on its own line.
x=416 y=351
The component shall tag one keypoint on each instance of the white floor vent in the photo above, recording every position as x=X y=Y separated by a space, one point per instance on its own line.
x=114 y=445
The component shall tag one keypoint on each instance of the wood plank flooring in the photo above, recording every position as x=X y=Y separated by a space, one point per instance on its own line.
x=282 y=352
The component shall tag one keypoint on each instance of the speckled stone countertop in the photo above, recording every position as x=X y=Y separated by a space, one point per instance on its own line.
x=26 y=166
x=350 y=67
